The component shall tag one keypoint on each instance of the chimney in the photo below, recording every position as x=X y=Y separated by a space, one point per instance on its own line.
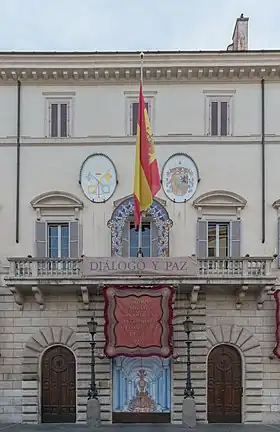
x=240 y=35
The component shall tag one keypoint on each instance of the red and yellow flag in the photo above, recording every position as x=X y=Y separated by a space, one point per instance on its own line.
x=146 y=176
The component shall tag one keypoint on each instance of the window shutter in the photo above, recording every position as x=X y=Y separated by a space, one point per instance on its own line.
x=41 y=239
x=235 y=235
x=201 y=241
x=74 y=239
x=134 y=117
x=214 y=118
x=54 y=118
x=278 y=242
x=224 y=118
x=63 y=120
x=154 y=245
x=125 y=240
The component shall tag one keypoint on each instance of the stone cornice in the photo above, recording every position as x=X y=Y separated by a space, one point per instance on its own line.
x=123 y=67
x=130 y=140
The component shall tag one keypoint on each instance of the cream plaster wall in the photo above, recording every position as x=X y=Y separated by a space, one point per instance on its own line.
x=224 y=163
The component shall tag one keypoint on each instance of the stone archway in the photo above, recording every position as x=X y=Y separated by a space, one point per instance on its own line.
x=251 y=354
x=34 y=348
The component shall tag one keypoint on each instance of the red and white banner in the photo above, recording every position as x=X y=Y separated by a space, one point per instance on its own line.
x=276 y=350
x=138 y=321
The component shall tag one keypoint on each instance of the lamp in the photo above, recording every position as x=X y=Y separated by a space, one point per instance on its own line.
x=188 y=325
x=92 y=327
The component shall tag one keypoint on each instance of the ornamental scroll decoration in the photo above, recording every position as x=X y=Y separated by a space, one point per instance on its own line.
x=138 y=321
x=125 y=210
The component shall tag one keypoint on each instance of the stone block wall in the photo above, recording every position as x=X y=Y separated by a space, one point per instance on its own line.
x=25 y=334
x=256 y=342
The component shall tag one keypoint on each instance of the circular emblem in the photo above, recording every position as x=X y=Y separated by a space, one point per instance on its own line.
x=180 y=178
x=98 y=178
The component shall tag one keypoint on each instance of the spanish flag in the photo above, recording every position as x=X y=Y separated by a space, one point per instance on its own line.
x=146 y=176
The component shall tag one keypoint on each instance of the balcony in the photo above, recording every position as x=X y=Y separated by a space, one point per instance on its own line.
x=190 y=273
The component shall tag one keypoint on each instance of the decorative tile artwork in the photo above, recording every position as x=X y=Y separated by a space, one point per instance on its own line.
x=141 y=384
x=125 y=210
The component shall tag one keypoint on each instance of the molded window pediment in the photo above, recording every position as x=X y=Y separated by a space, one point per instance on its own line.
x=57 y=203
x=219 y=201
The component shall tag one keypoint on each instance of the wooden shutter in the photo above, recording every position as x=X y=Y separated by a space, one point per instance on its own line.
x=202 y=237
x=224 y=118
x=41 y=239
x=125 y=240
x=63 y=120
x=235 y=236
x=278 y=242
x=74 y=239
x=134 y=118
x=54 y=120
x=214 y=118
x=154 y=238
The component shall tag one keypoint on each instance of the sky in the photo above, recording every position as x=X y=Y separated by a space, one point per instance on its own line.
x=128 y=25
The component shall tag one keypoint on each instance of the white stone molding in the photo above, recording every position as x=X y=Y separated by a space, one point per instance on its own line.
x=39 y=297
x=85 y=296
x=194 y=296
x=56 y=199
x=219 y=199
x=262 y=296
x=164 y=66
x=18 y=297
x=240 y=295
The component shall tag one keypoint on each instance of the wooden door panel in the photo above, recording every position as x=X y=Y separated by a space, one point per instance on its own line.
x=58 y=386
x=224 y=390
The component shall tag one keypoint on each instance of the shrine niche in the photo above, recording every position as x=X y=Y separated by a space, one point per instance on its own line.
x=141 y=389
x=156 y=214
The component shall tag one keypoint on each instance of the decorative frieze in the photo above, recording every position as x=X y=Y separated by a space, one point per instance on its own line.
x=204 y=72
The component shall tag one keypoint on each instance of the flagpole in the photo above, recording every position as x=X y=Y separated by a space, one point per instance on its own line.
x=140 y=253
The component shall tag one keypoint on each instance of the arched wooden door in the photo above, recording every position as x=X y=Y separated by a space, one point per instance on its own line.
x=224 y=385
x=58 y=386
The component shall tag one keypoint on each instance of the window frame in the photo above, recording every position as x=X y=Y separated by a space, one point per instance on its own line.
x=133 y=97
x=59 y=225
x=229 y=237
x=146 y=220
x=219 y=96
x=61 y=98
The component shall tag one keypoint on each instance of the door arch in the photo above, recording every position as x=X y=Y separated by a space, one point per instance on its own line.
x=224 y=386
x=58 y=385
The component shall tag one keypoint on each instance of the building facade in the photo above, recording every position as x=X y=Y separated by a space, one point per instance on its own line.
x=67 y=148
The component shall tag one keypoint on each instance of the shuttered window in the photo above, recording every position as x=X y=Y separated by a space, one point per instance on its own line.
x=58 y=240
x=218 y=239
x=219 y=117
x=134 y=116
x=59 y=119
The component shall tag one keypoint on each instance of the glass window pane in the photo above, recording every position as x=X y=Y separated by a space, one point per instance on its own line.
x=146 y=240
x=223 y=240
x=212 y=240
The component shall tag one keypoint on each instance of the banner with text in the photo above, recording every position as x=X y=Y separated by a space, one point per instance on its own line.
x=138 y=321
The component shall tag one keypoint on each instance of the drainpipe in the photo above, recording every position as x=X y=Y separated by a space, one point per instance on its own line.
x=18 y=159
x=263 y=161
